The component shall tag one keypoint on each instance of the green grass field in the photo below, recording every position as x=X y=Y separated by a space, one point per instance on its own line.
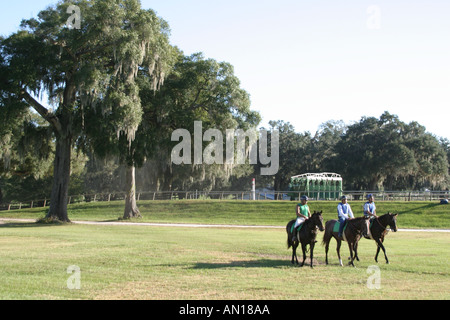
x=411 y=214
x=138 y=262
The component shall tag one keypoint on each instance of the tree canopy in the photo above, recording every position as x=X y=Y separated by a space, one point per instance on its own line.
x=388 y=153
x=93 y=67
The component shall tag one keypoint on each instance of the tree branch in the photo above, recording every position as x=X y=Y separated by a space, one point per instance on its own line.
x=92 y=50
x=43 y=112
x=202 y=88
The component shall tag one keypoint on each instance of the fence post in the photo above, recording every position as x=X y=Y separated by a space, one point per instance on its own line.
x=31 y=206
x=9 y=207
x=45 y=203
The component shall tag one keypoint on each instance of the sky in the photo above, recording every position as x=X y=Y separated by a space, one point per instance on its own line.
x=307 y=62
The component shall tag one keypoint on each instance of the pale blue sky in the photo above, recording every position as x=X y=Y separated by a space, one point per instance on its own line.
x=307 y=62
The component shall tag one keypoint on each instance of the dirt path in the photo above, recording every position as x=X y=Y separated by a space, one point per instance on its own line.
x=192 y=225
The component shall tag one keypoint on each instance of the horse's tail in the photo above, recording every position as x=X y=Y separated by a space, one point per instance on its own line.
x=328 y=232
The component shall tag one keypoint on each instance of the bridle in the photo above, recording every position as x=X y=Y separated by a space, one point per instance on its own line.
x=384 y=228
x=315 y=230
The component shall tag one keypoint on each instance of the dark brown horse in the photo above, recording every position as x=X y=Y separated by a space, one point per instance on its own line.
x=306 y=236
x=378 y=230
x=355 y=228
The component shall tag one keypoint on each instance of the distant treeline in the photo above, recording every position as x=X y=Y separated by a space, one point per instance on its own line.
x=371 y=154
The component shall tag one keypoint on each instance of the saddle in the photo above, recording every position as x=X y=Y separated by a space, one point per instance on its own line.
x=298 y=228
x=337 y=226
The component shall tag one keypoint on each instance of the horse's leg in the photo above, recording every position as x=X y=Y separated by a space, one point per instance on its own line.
x=338 y=250
x=294 y=252
x=378 y=251
x=384 y=250
x=380 y=244
x=304 y=254
x=356 y=251
x=313 y=243
x=350 y=247
x=327 y=246
x=292 y=245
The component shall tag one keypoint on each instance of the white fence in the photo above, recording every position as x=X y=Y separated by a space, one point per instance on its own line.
x=236 y=195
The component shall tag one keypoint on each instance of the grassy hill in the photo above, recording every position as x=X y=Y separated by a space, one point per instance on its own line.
x=411 y=214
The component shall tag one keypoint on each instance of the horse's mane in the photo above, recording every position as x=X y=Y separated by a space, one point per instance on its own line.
x=385 y=219
x=356 y=219
x=385 y=215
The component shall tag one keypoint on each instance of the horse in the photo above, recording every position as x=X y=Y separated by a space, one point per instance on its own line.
x=378 y=230
x=306 y=236
x=355 y=228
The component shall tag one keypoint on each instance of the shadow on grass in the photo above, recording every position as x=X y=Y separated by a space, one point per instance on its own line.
x=420 y=210
x=12 y=225
x=262 y=263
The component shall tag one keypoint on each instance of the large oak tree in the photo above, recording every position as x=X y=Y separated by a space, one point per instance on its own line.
x=93 y=67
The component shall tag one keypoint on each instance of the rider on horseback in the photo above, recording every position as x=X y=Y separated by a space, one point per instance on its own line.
x=344 y=213
x=370 y=210
x=303 y=214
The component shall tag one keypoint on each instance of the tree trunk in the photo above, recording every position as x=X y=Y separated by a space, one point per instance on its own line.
x=61 y=176
x=277 y=183
x=131 y=209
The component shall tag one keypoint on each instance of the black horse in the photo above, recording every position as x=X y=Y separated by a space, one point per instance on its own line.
x=355 y=228
x=306 y=236
x=378 y=230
